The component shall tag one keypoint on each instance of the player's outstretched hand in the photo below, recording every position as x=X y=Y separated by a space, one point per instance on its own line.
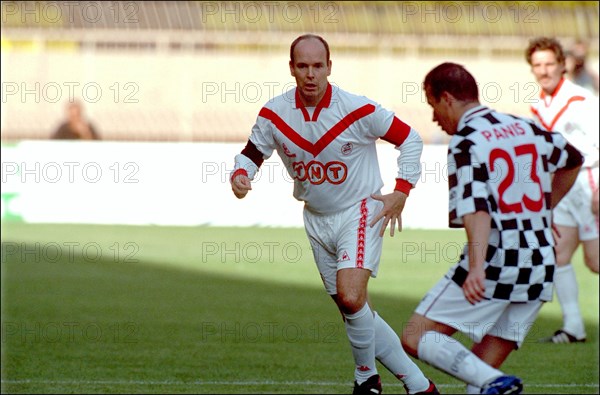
x=393 y=204
x=240 y=185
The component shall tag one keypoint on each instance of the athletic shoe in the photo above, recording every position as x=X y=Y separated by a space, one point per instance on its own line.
x=371 y=386
x=503 y=385
x=432 y=389
x=561 y=336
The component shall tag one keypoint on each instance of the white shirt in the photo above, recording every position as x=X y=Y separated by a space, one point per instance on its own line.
x=572 y=111
x=330 y=151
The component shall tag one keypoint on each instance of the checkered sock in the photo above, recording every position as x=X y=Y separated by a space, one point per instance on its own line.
x=361 y=333
x=567 y=293
x=450 y=356
x=389 y=351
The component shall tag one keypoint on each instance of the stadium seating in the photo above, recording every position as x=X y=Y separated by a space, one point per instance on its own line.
x=200 y=71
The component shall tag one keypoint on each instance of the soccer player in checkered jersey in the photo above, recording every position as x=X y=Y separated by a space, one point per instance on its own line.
x=326 y=139
x=573 y=111
x=501 y=190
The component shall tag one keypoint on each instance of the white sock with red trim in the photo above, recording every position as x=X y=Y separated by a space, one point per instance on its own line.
x=567 y=293
x=389 y=351
x=360 y=328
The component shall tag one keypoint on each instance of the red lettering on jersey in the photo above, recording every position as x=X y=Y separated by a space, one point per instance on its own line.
x=498 y=134
x=512 y=130
x=300 y=173
x=508 y=132
x=520 y=130
x=317 y=173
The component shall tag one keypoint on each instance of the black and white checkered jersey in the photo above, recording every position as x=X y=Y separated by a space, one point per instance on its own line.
x=502 y=164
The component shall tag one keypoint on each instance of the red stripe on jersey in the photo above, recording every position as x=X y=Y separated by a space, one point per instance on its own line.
x=538 y=116
x=397 y=133
x=327 y=138
x=562 y=110
x=558 y=115
x=341 y=126
x=362 y=232
x=286 y=129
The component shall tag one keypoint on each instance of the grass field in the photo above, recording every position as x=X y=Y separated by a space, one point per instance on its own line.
x=118 y=309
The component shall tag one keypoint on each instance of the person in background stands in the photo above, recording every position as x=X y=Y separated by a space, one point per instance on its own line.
x=76 y=127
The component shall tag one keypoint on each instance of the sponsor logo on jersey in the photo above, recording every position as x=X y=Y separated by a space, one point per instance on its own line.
x=347 y=149
x=344 y=257
x=317 y=173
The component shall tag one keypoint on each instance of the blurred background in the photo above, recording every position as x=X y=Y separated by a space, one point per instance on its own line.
x=201 y=71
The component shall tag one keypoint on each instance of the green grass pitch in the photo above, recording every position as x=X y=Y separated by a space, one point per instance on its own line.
x=125 y=309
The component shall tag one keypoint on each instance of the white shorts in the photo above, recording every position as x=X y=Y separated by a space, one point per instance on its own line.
x=575 y=209
x=446 y=303
x=345 y=240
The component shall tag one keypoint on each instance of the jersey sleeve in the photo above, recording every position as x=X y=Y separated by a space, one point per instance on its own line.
x=261 y=139
x=560 y=153
x=262 y=136
x=409 y=161
x=467 y=181
x=385 y=125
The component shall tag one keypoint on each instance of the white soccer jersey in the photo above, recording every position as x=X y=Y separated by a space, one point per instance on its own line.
x=572 y=111
x=502 y=164
x=333 y=161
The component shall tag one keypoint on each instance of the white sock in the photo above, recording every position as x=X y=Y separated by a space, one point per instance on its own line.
x=361 y=333
x=389 y=351
x=567 y=292
x=472 y=389
x=450 y=356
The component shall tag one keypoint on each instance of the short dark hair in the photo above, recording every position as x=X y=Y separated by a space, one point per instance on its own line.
x=545 y=44
x=454 y=79
x=304 y=37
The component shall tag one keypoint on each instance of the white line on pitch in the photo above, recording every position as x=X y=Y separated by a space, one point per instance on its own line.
x=245 y=383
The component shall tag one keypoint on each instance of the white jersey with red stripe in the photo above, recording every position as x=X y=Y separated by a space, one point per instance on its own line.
x=572 y=111
x=330 y=150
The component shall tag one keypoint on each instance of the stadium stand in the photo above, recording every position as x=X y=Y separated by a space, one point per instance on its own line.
x=199 y=71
